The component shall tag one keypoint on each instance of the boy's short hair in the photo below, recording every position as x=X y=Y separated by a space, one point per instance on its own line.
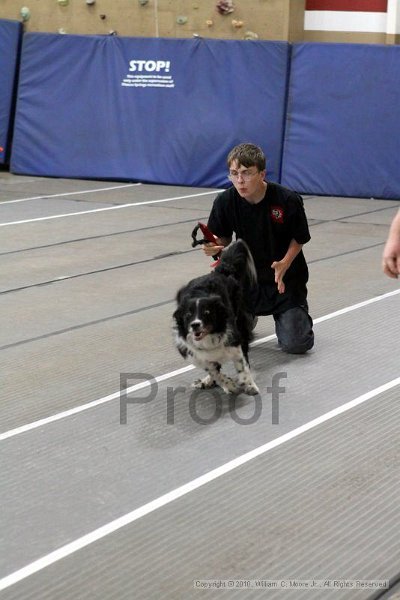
x=248 y=155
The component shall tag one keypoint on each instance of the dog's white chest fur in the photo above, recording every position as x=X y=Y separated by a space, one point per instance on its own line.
x=212 y=348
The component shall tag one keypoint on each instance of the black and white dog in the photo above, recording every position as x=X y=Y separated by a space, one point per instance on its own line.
x=211 y=324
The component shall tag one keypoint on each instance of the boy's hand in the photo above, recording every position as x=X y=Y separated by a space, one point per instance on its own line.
x=210 y=249
x=280 y=268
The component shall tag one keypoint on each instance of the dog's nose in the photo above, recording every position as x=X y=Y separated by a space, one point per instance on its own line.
x=195 y=325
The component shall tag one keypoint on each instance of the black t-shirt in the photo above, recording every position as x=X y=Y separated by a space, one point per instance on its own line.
x=268 y=227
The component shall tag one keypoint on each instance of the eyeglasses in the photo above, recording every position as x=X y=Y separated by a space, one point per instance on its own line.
x=245 y=175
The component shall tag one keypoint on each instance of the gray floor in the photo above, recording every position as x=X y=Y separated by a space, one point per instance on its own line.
x=92 y=508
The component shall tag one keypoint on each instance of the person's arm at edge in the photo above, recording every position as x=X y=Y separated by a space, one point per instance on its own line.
x=391 y=252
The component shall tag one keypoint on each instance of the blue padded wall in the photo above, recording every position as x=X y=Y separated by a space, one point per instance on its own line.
x=343 y=121
x=10 y=37
x=153 y=110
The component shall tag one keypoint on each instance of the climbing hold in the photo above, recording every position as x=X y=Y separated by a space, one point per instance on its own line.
x=143 y=2
x=250 y=35
x=63 y=2
x=209 y=22
x=25 y=13
x=225 y=7
x=181 y=20
x=102 y=17
x=90 y=1
x=237 y=24
x=62 y=31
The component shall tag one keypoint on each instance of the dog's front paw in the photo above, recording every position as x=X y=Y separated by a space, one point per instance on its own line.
x=204 y=384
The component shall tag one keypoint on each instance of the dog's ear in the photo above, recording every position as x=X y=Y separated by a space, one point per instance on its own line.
x=179 y=301
x=177 y=315
x=179 y=295
x=179 y=323
x=221 y=312
x=180 y=310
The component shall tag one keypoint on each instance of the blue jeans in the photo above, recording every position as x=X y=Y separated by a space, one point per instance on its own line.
x=294 y=330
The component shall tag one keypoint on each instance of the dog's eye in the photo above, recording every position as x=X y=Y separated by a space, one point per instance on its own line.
x=206 y=313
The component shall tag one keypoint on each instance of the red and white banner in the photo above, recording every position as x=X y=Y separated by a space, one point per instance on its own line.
x=346 y=15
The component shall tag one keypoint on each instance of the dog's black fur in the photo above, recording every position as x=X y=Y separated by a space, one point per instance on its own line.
x=211 y=322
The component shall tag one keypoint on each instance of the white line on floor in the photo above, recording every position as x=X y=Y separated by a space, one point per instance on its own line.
x=46 y=196
x=116 y=395
x=150 y=507
x=96 y=210
x=340 y=312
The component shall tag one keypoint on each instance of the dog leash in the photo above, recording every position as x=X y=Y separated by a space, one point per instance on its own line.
x=208 y=237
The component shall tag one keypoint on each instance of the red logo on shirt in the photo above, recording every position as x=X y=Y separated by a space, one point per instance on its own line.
x=277 y=214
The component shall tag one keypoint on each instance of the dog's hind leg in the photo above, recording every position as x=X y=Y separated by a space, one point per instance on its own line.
x=228 y=384
x=244 y=378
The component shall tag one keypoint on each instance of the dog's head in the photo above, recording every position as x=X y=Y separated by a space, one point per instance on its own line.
x=199 y=317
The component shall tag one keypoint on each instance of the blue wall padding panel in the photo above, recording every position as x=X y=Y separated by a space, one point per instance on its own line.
x=10 y=37
x=343 y=121
x=153 y=110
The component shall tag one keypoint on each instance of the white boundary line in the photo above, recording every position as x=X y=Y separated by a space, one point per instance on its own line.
x=342 y=311
x=95 y=210
x=47 y=196
x=195 y=484
x=73 y=411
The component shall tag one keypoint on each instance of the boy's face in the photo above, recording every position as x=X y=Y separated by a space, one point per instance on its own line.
x=248 y=181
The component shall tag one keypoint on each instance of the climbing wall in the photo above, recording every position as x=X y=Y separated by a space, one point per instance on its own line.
x=222 y=19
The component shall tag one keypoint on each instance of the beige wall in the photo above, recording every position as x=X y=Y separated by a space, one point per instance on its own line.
x=392 y=39
x=268 y=19
x=346 y=37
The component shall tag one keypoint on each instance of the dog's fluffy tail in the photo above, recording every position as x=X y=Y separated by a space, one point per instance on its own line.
x=238 y=262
